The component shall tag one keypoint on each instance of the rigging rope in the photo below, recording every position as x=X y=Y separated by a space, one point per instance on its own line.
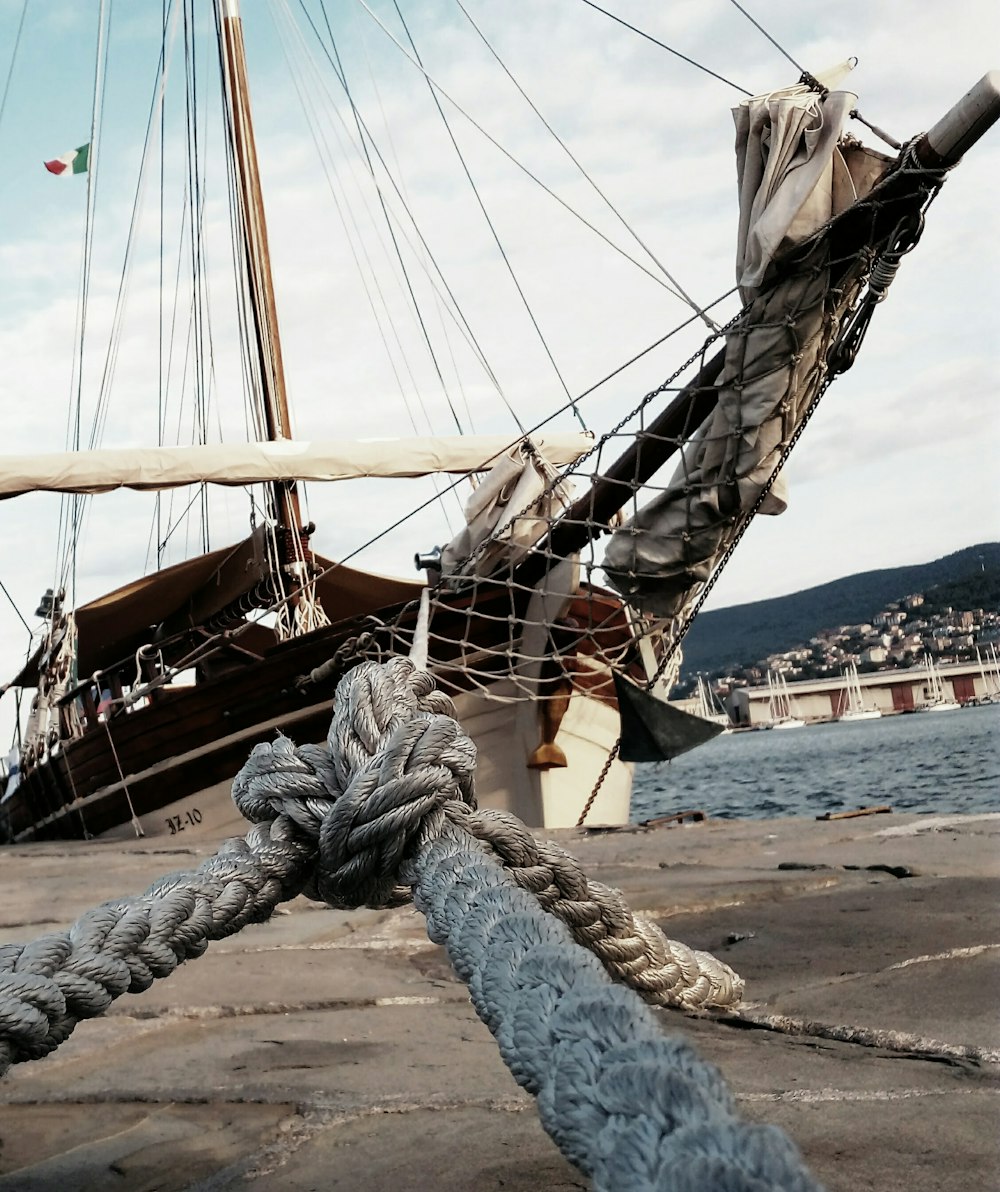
x=3 y=589
x=436 y=277
x=519 y=165
x=342 y=77
x=489 y=223
x=71 y=509
x=353 y=238
x=779 y=48
x=569 y=153
x=13 y=60
x=669 y=49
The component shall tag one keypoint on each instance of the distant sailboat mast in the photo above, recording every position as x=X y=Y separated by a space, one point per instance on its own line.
x=780 y=703
x=708 y=706
x=990 y=674
x=937 y=701
x=855 y=706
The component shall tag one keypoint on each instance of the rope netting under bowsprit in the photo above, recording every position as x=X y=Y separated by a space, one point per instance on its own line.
x=385 y=812
x=521 y=606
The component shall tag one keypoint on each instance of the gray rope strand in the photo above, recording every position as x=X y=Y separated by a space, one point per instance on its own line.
x=632 y=1109
x=48 y=986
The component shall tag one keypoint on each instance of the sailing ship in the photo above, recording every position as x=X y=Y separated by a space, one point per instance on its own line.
x=709 y=707
x=854 y=705
x=779 y=703
x=936 y=700
x=145 y=701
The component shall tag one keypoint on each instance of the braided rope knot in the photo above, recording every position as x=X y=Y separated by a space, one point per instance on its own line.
x=396 y=768
x=395 y=760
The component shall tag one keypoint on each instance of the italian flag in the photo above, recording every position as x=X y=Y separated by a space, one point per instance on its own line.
x=74 y=162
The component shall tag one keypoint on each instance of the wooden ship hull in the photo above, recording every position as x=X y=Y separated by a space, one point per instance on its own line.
x=165 y=764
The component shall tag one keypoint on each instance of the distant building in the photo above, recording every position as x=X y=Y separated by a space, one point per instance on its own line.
x=874 y=654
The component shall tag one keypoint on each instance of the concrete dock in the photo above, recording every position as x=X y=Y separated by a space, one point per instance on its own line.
x=336 y=1050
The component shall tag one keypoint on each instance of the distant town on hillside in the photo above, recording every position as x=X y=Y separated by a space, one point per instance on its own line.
x=949 y=620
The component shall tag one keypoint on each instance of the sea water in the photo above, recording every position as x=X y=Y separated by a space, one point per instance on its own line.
x=925 y=761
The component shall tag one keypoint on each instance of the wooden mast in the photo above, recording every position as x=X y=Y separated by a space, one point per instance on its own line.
x=263 y=306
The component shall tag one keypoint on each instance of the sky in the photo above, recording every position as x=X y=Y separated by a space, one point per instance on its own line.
x=897 y=466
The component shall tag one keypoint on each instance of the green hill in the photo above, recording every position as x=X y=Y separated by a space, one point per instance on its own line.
x=729 y=637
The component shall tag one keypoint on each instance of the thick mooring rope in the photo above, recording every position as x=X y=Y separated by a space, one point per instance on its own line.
x=388 y=812
x=48 y=986
x=632 y=1109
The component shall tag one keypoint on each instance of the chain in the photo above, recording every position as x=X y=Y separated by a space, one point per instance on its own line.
x=612 y=754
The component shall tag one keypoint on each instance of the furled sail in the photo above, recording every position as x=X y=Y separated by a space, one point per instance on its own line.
x=152 y=468
x=795 y=174
x=513 y=507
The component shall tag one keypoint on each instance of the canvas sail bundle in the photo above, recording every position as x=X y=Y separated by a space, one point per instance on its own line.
x=512 y=507
x=795 y=174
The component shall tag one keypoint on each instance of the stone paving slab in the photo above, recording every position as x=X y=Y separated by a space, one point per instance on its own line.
x=846 y=929
x=144 y=1148
x=906 y=1144
x=452 y=1148
x=347 y=1058
x=333 y=1049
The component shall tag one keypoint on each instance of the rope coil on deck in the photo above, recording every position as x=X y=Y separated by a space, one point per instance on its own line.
x=389 y=810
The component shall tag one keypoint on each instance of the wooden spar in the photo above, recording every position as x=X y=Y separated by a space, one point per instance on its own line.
x=960 y=128
x=263 y=306
x=590 y=515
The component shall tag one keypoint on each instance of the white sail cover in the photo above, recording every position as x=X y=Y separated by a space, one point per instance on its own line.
x=153 y=468
x=791 y=176
x=795 y=174
x=513 y=507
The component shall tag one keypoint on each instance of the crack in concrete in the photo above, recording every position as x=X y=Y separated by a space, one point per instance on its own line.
x=909 y=1045
x=314 y=1118
x=818 y=1096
